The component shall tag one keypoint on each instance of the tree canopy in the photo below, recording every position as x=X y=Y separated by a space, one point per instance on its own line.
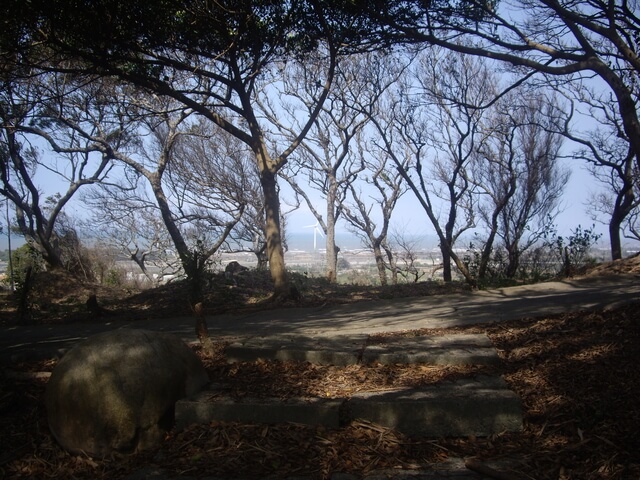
x=226 y=62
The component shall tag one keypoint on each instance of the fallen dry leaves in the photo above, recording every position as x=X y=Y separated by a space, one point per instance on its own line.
x=257 y=451
x=578 y=376
x=276 y=379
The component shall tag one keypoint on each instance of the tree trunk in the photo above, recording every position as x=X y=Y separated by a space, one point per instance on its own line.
x=464 y=270
x=514 y=261
x=44 y=244
x=332 y=249
x=448 y=255
x=261 y=254
x=192 y=264
x=626 y=106
x=614 y=238
x=382 y=271
x=50 y=254
x=332 y=260
x=273 y=232
x=263 y=261
x=393 y=266
x=487 y=249
x=624 y=204
x=485 y=255
x=201 y=329
x=446 y=263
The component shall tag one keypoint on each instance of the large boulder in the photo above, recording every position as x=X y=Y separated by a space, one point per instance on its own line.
x=116 y=391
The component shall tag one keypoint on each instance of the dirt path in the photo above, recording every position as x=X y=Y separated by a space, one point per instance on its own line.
x=37 y=341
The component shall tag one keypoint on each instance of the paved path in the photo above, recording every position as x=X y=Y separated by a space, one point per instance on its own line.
x=22 y=342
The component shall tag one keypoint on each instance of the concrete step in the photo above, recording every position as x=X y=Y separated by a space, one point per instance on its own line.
x=209 y=407
x=480 y=406
x=458 y=349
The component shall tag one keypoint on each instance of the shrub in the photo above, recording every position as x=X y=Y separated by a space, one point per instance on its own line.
x=572 y=253
x=22 y=259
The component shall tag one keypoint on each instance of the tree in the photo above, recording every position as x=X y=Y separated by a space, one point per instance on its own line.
x=214 y=173
x=48 y=127
x=128 y=222
x=249 y=233
x=632 y=224
x=517 y=171
x=197 y=183
x=326 y=160
x=620 y=203
x=383 y=187
x=213 y=58
x=406 y=261
x=610 y=158
x=433 y=116
x=561 y=39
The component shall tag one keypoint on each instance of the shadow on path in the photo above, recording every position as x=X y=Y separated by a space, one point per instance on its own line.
x=41 y=341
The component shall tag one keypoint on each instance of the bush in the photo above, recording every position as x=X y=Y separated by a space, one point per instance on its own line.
x=22 y=259
x=115 y=277
x=572 y=253
x=554 y=256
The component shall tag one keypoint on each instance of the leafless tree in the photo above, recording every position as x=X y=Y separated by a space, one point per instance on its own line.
x=562 y=39
x=517 y=170
x=406 y=255
x=49 y=132
x=610 y=159
x=215 y=172
x=125 y=220
x=196 y=183
x=249 y=233
x=632 y=224
x=433 y=116
x=326 y=160
x=371 y=203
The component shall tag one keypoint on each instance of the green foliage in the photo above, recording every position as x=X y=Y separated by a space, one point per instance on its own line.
x=22 y=259
x=495 y=275
x=555 y=256
x=460 y=12
x=114 y=277
x=123 y=33
x=572 y=252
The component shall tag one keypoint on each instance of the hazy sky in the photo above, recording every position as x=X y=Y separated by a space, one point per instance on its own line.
x=409 y=215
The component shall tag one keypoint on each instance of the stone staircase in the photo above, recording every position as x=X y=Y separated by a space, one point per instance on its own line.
x=479 y=406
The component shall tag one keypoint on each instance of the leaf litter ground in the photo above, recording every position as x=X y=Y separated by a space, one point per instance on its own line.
x=577 y=375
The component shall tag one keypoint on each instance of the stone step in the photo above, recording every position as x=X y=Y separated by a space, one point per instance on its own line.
x=480 y=406
x=209 y=407
x=457 y=349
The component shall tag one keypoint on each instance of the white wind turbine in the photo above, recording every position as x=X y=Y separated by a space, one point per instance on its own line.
x=316 y=230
